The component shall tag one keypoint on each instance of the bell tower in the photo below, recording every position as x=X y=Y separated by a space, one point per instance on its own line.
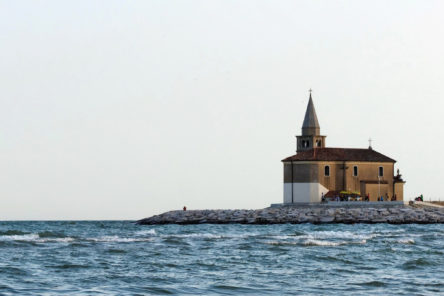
x=311 y=131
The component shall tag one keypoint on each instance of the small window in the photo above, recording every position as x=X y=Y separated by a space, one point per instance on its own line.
x=355 y=170
x=381 y=172
x=318 y=143
x=327 y=171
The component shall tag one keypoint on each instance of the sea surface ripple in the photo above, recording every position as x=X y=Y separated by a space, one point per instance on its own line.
x=121 y=258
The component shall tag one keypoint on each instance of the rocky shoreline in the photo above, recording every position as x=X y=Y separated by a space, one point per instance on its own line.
x=294 y=215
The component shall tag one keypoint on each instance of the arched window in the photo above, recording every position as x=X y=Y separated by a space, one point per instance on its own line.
x=327 y=171
x=318 y=143
x=355 y=171
x=381 y=172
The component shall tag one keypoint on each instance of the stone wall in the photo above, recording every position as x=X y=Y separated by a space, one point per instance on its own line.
x=296 y=215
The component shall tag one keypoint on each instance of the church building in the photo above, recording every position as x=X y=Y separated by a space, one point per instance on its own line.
x=317 y=171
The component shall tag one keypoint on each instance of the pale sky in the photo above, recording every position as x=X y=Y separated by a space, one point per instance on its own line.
x=125 y=109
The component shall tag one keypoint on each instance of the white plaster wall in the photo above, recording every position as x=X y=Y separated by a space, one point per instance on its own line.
x=304 y=192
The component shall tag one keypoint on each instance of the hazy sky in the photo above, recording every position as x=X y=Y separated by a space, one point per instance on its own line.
x=124 y=109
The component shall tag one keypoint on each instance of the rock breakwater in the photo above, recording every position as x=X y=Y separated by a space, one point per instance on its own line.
x=295 y=215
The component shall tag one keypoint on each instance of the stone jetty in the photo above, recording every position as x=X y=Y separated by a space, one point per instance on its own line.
x=291 y=214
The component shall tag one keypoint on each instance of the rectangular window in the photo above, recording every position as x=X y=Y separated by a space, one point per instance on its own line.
x=381 y=172
x=327 y=171
x=355 y=170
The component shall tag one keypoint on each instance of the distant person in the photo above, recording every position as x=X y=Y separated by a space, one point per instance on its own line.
x=421 y=197
x=184 y=208
x=367 y=197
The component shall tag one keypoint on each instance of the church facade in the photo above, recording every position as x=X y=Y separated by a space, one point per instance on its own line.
x=317 y=171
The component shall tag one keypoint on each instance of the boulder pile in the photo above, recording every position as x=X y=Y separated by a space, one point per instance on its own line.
x=295 y=215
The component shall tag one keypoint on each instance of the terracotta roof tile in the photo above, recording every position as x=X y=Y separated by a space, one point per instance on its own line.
x=339 y=154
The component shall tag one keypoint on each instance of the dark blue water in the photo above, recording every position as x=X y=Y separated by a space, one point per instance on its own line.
x=120 y=258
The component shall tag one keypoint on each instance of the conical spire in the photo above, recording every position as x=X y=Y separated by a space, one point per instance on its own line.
x=311 y=124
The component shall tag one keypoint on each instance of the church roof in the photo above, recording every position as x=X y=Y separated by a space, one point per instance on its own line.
x=310 y=120
x=339 y=154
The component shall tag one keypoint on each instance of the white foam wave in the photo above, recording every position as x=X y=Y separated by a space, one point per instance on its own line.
x=407 y=241
x=314 y=242
x=284 y=237
x=390 y=231
x=347 y=235
x=281 y=243
x=35 y=238
x=215 y=236
x=58 y=240
x=22 y=237
x=118 y=239
x=151 y=232
x=196 y=235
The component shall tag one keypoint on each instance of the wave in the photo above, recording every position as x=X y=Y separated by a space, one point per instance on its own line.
x=12 y=270
x=338 y=235
x=20 y=237
x=33 y=237
x=151 y=232
x=13 y=232
x=282 y=243
x=196 y=235
x=69 y=266
x=372 y=284
x=315 y=242
x=322 y=238
x=417 y=263
x=50 y=234
x=118 y=239
x=407 y=241
x=116 y=251
x=52 y=238
x=220 y=236
x=56 y=240
x=346 y=236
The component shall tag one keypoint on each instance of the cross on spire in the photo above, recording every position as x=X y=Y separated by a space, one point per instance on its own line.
x=310 y=90
x=370 y=143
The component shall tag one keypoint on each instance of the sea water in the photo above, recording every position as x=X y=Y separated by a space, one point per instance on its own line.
x=121 y=258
